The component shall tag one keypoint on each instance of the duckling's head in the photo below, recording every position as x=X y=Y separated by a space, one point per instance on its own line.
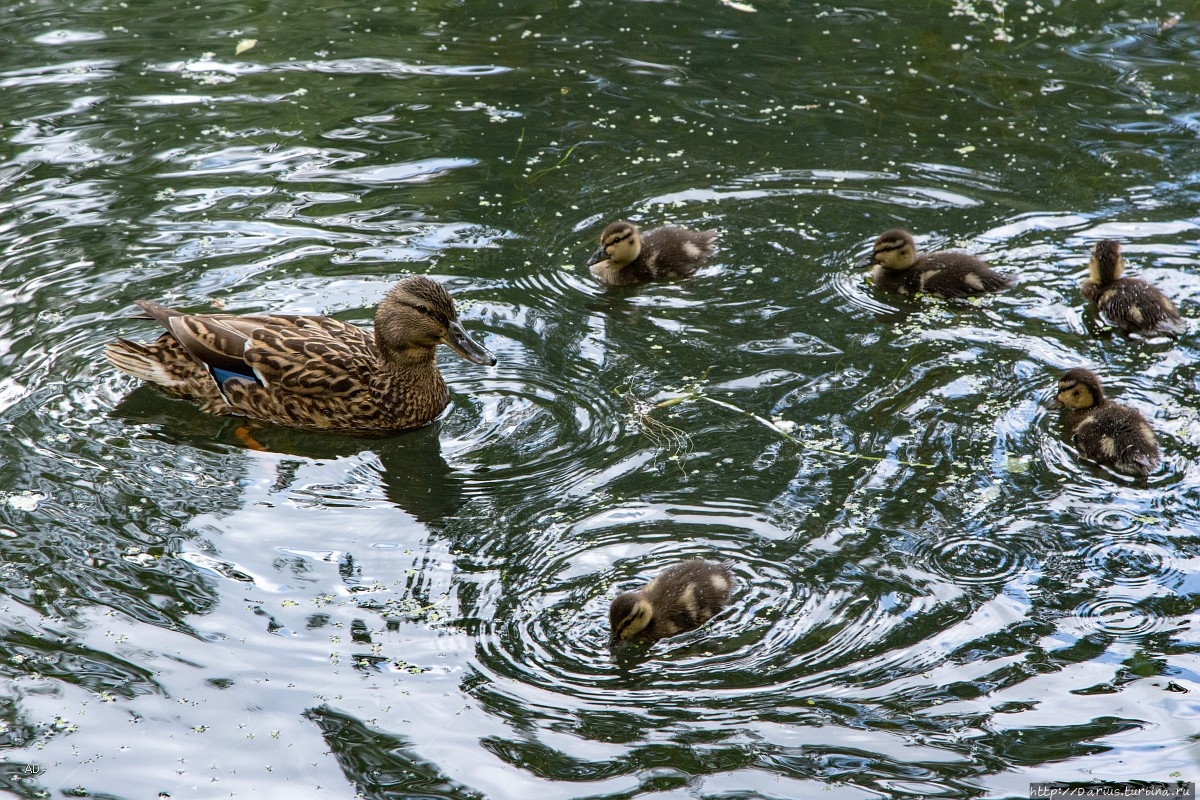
x=1107 y=263
x=418 y=313
x=629 y=615
x=895 y=249
x=1080 y=389
x=620 y=244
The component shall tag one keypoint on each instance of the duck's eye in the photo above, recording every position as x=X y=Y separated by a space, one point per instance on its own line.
x=423 y=309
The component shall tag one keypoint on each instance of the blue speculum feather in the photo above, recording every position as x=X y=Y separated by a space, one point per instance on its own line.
x=222 y=375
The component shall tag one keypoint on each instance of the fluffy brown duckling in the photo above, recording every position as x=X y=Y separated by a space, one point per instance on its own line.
x=1127 y=303
x=1106 y=432
x=627 y=255
x=681 y=598
x=898 y=268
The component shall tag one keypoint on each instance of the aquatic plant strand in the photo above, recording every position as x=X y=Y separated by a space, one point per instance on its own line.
x=697 y=395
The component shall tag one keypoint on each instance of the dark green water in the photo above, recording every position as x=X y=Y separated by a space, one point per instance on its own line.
x=936 y=597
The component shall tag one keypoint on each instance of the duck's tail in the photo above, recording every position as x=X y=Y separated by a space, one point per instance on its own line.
x=156 y=362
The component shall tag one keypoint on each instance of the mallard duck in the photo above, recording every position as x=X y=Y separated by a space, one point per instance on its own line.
x=309 y=371
x=681 y=598
x=898 y=268
x=1128 y=303
x=1106 y=432
x=627 y=255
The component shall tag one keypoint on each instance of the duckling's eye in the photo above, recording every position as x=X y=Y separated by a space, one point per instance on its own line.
x=422 y=309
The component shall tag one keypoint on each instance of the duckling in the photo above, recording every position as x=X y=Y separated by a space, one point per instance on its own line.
x=681 y=598
x=1128 y=303
x=899 y=269
x=627 y=256
x=1106 y=432
x=308 y=371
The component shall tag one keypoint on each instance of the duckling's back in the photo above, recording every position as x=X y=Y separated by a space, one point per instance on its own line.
x=1117 y=436
x=951 y=274
x=687 y=595
x=1135 y=306
x=674 y=252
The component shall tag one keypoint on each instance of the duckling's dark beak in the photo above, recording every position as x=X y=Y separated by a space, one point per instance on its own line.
x=624 y=647
x=597 y=257
x=615 y=642
x=865 y=261
x=457 y=340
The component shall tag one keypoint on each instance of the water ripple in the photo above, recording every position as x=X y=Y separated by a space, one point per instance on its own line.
x=1113 y=521
x=530 y=436
x=391 y=66
x=1132 y=563
x=1123 y=618
x=969 y=559
x=556 y=635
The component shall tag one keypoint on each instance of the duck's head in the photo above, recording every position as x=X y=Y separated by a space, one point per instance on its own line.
x=1079 y=389
x=895 y=249
x=1107 y=263
x=620 y=244
x=419 y=313
x=629 y=615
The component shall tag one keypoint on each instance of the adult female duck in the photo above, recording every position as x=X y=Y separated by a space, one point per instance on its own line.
x=309 y=371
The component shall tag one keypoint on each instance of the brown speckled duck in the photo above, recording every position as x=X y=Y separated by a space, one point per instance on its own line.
x=1127 y=303
x=1106 y=432
x=681 y=598
x=898 y=268
x=627 y=255
x=309 y=371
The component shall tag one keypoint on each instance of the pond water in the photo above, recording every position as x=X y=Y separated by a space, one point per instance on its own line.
x=935 y=596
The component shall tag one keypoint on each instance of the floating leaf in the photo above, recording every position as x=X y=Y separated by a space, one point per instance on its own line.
x=244 y=45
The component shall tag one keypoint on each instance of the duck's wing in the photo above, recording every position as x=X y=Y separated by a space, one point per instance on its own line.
x=217 y=341
x=314 y=356
x=299 y=354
